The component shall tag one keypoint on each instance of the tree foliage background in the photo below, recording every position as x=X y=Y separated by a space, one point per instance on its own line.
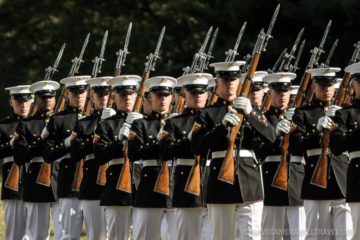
x=33 y=31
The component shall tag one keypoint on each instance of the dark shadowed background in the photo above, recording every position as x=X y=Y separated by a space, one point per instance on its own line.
x=32 y=32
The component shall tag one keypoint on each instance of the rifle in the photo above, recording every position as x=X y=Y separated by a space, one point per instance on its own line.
x=319 y=177
x=294 y=68
x=310 y=93
x=95 y=71
x=205 y=64
x=120 y=62
x=124 y=181
x=76 y=62
x=227 y=171
x=44 y=176
x=281 y=175
x=230 y=57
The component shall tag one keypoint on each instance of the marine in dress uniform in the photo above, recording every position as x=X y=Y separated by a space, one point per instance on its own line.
x=174 y=144
x=346 y=138
x=325 y=208
x=210 y=132
x=14 y=207
x=276 y=210
x=109 y=143
x=149 y=205
x=58 y=136
x=28 y=153
x=257 y=90
x=82 y=150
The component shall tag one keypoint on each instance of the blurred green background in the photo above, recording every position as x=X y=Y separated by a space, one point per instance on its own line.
x=32 y=32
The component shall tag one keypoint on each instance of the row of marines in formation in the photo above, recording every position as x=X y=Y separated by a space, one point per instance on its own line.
x=250 y=208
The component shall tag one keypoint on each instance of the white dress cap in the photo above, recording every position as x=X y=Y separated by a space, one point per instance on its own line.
x=160 y=83
x=75 y=81
x=46 y=85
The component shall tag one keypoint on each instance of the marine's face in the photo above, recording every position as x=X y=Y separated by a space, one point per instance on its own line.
x=227 y=88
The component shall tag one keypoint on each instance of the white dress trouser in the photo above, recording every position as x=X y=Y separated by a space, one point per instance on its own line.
x=71 y=218
x=56 y=218
x=248 y=221
x=321 y=215
x=273 y=222
x=355 y=215
x=147 y=223
x=205 y=225
x=168 y=225
x=118 y=222
x=37 y=221
x=94 y=219
x=222 y=220
x=188 y=223
x=15 y=219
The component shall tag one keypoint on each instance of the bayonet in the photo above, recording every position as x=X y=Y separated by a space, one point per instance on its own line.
x=290 y=56
x=331 y=54
x=355 y=56
x=76 y=61
x=208 y=56
x=270 y=28
x=120 y=62
x=49 y=71
x=153 y=57
x=294 y=68
x=278 y=61
x=232 y=53
x=98 y=60
x=318 y=51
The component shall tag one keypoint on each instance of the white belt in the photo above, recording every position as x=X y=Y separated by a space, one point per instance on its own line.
x=355 y=154
x=140 y=162
x=243 y=153
x=297 y=159
x=208 y=162
x=313 y=152
x=150 y=163
x=186 y=162
x=36 y=160
x=8 y=159
x=63 y=157
x=116 y=161
x=273 y=158
x=89 y=156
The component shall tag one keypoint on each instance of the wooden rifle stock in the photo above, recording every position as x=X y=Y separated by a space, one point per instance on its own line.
x=78 y=176
x=44 y=176
x=227 y=171
x=214 y=97
x=101 y=177
x=162 y=184
x=12 y=180
x=193 y=183
x=281 y=175
x=124 y=181
x=320 y=175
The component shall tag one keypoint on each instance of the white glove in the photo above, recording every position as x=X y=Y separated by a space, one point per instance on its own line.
x=231 y=118
x=283 y=127
x=331 y=110
x=289 y=114
x=171 y=115
x=67 y=141
x=324 y=123
x=244 y=104
x=132 y=116
x=107 y=112
x=124 y=131
x=44 y=133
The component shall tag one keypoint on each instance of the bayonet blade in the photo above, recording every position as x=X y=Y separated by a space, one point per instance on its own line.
x=331 y=53
x=206 y=40
x=127 y=39
x=160 y=41
x=84 y=46
x=295 y=66
x=322 y=43
x=278 y=61
x=238 y=40
x=57 y=61
x=103 y=45
x=213 y=40
x=273 y=20
x=298 y=38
